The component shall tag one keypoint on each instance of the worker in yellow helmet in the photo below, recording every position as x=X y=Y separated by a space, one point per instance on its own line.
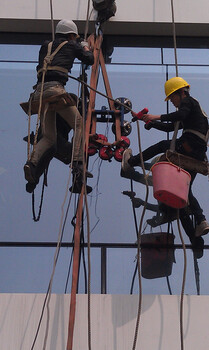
x=192 y=143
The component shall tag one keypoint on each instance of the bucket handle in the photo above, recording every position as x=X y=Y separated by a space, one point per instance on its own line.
x=169 y=161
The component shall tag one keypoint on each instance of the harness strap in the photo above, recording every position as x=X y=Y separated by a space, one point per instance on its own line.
x=49 y=57
x=60 y=69
x=199 y=134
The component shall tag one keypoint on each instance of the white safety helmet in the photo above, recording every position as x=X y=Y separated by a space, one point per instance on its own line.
x=66 y=26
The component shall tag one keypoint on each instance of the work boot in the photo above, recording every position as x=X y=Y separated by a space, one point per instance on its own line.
x=30 y=172
x=77 y=169
x=77 y=185
x=129 y=172
x=125 y=166
x=30 y=187
x=202 y=229
x=198 y=247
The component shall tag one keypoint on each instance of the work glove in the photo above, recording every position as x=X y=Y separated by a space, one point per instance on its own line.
x=149 y=125
x=84 y=43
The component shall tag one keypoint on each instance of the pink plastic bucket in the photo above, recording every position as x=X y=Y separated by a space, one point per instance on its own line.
x=170 y=184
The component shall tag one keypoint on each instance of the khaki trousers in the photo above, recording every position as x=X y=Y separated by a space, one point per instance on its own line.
x=48 y=124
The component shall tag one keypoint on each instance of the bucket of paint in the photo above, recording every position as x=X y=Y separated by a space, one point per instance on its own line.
x=170 y=184
x=157 y=254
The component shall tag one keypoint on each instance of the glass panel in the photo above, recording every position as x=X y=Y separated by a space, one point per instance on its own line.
x=29 y=270
x=198 y=78
x=114 y=209
x=16 y=222
x=186 y=56
x=122 y=263
x=140 y=55
x=111 y=214
x=19 y=52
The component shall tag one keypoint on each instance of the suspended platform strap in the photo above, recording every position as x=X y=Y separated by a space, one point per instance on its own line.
x=56 y=103
x=186 y=162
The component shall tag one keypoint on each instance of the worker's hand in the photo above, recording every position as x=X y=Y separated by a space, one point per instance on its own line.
x=149 y=125
x=148 y=117
x=85 y=45
x=134 y=114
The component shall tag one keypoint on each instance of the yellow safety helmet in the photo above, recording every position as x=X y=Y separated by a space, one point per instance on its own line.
x=174 y=84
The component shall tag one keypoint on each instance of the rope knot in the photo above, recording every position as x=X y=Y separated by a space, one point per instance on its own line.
x=48 y=59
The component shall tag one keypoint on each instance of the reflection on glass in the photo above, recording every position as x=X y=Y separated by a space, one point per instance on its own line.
x=131 y=55
x=111 y=216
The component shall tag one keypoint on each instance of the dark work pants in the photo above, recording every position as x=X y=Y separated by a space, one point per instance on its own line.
x=162 y=147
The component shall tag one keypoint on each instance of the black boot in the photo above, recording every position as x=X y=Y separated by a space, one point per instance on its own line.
x=78 y=183
x=30 y=172
x=30 y=187
x=77 y=169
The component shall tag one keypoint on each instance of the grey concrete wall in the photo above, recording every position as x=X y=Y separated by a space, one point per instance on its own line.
x=113 y=321
x=134 y=17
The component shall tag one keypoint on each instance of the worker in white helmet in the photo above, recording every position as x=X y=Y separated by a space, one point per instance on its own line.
x=193 y=141
x=60 y=57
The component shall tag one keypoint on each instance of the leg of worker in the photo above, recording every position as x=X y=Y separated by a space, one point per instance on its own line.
x=72 y=116
x=42 y=148
x=197 y=242
x=150 y=152
x=194 y=204
x=202 y=226
x=49 y=136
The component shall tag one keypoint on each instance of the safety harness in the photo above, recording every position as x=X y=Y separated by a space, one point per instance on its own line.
x=49 y=57
x=199 y=134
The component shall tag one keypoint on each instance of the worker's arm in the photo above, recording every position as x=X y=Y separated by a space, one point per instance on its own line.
x=179 y=115
x=84 y=54
x=167 y=127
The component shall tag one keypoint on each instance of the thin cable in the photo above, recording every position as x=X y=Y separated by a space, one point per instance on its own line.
x=37 y=218
x=84 y=263
x=61 y=232
x=100 y=93
x=68 y=274
x=85 y=144
x=139 y=242
x=87 y=21
x=136 y=228
x=172 y=146
x=197 y=274
x=174 y=37
x=29 y=125
x=183 y=283
x=52 y=20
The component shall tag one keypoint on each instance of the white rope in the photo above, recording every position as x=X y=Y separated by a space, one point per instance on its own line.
x=139 y=242
x=172 y=148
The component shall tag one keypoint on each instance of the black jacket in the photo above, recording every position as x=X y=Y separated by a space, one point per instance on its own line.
x=64 y=58
x=191 y=116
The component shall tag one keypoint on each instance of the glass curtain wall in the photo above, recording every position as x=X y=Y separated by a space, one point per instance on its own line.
x=138 y=74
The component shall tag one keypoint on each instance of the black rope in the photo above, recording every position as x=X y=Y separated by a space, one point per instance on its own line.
x=197 y=274
x=133 y=279
x=49 y=286
x=37 y=218
x=167 y=277
x=136 y=228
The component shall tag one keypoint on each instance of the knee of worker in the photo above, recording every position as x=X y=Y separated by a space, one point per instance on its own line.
x=72 y=116
x=50 y=142
x=163 y=145
x=78 y=120
x=44 y=160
